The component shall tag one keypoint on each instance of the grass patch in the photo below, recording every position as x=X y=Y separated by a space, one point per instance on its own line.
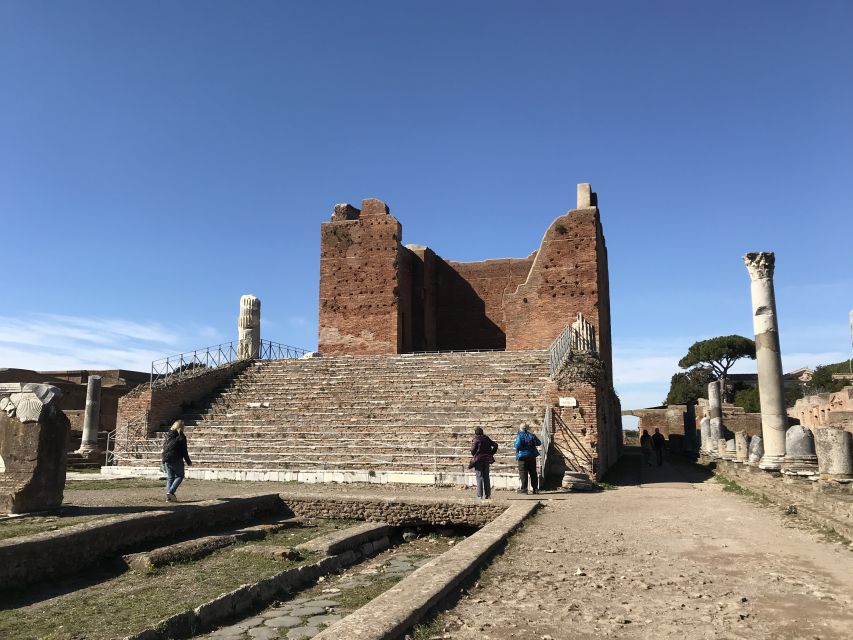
x=427 y=630
x=358 y=597
x=30 y=525
x=604 y=486
x=730 y=486
x=133 y=601
x=123 y=483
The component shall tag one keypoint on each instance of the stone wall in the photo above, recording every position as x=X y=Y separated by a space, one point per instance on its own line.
x=398 y=512
x=671 y=419
x=167 y=401
x=825 y=409
x=471 y=297
x=378 y=296
x=360 y=257
x=28 y=559
x=69 y=549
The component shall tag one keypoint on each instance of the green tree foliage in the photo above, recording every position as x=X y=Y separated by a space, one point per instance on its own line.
x=822 y=381
x=719 y=354
x=690 y=385
x=750 y=398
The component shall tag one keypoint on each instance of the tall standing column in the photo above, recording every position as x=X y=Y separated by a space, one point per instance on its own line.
x=715 y=408
x=92 y=417
x=774 y=419
x=249 y=328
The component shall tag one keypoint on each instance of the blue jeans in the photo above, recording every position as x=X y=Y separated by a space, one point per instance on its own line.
x=174 y=475
x=484 y=485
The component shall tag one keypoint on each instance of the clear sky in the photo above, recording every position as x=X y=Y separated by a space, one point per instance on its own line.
x=159 y=159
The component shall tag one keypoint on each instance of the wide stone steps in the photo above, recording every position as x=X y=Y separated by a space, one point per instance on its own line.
x=412 y=414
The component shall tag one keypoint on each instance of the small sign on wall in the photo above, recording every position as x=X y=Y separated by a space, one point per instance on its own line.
x=568 y=402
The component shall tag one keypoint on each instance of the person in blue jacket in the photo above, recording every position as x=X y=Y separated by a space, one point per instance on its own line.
x=525 y=454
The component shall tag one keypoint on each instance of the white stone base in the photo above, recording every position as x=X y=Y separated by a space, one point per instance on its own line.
x=465 y=479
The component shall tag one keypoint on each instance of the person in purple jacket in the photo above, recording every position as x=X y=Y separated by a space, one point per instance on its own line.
x=483 y=450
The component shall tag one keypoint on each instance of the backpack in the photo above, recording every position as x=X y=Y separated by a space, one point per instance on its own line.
x=170 y=445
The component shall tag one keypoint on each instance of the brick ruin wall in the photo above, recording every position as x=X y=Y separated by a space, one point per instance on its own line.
x=379 y=296
x=167 y=401
x=825 y=409
x=360 y=263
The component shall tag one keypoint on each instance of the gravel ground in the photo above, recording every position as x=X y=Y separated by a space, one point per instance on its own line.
x=666 y=555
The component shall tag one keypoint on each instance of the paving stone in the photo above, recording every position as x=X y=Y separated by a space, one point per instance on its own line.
x=308 y=611
x=227 y=633
x=326 y=620
x=283 y=621
x=248 y=623
x=301 y=633
x=264 y=633
x=321 y=603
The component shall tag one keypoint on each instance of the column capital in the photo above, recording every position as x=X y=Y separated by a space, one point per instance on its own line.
x=760 y=264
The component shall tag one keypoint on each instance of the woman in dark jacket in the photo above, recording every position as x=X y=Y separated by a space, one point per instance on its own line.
x=483 y=450
x=174 y=455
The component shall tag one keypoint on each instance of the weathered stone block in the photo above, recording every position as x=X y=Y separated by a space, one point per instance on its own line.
x=33 y=445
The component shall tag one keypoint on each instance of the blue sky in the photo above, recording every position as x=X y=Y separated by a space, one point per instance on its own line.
x=160 y=159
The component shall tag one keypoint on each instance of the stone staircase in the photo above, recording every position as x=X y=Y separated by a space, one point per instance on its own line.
x=390 y=418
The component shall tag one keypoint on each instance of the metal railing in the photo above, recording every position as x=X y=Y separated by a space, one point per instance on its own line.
x=574 y=338
x=110 y=455
x=192 y=363
x=578 y=456
x=545 y=437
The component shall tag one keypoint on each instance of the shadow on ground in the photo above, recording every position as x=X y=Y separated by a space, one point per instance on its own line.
x=632 y=471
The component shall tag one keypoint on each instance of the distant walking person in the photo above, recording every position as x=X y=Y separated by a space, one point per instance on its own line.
x=174 y=455
x=658 y=442
x=525 y=455
x=483 y=450
x=646 y=447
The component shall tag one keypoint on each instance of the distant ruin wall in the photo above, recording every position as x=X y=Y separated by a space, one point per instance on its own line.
x=825 y=409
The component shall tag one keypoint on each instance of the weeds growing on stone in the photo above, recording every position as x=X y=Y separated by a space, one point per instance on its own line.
x=731 y=486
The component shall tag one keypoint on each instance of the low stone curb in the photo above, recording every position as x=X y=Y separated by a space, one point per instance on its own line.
x=251 y=597
x=28 y=559
x=200 y=547
x=389 y=615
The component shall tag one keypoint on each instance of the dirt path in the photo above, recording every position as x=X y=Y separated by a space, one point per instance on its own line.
x=666 y=555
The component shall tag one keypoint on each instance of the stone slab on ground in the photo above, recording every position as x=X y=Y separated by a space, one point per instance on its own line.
x=394 y=611
x=339 y=541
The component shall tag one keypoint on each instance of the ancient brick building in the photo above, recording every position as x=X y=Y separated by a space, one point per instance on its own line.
x=379 y=296
x=371 y=409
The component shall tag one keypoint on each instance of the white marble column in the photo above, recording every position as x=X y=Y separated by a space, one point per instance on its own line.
x=249 y=328
x=715 y=408
x=774 y=419
x=92 y=417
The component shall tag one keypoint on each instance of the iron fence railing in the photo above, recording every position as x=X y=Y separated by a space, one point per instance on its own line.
x=545 y=437
x=577 y=455
x=192 y=363
x=574 y=338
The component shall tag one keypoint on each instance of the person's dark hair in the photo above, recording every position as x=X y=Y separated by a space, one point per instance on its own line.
x=478 y=431
x=657 y=430
x=645 y=432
